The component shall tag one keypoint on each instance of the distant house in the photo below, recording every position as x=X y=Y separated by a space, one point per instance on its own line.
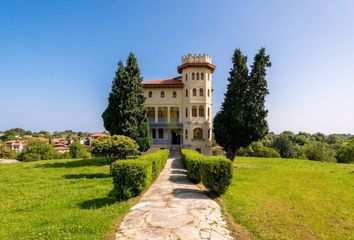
x=95 y=136
x=16 y=145
x=60 y=144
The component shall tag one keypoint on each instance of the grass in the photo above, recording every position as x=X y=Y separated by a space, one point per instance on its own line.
x=61 y=199
x=292 y=199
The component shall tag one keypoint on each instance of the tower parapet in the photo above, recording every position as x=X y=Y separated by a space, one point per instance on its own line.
x=196 y=60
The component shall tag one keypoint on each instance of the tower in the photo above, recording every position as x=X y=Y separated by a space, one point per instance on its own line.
x=196 y=71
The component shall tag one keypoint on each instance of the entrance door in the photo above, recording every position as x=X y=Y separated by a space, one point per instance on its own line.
x=176 y=136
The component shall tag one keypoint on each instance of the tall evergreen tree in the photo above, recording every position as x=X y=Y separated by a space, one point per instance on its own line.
x=242 y=118
x=125 y=113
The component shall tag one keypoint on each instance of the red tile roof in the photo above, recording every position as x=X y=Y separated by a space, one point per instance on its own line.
x=167 y=82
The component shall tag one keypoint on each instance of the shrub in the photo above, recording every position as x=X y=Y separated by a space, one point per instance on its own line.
x=77 y=150
x=256 y=149
x=7 y=153
x=114 y=147
x=131 y=177
x=215 y=172
x=319 y=151
x=36 y=150
x=158 y=161
x=346 y=153
x=192 y=161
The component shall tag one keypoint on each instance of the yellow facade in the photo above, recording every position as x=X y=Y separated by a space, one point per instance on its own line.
x=179 y=109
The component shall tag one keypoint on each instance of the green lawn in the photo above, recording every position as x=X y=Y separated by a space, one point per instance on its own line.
x=292 y=199
x=61 y=199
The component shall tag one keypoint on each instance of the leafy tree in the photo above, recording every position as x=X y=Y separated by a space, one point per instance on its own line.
x=125 y=113
x=36 y=150
x=346 y=153
x=285 y=146
x=242 y=118
x=319 y=151
x=77 y=150
x=6 y=153
x=113 y=148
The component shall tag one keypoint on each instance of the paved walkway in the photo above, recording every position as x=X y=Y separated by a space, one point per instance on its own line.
x=174 y=208
x=8 y=161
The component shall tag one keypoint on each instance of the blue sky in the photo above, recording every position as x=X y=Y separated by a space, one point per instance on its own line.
x=57 y=58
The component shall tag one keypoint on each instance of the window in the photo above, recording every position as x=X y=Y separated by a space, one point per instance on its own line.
x=201 y=111
x=202 y=76
x=208 y=112
x=174 y=94
x=197 y=76
x=186 y=77
x=174 y=114
x=150 y=112
x=193 y=76
x=150 y=94
x=153 y=133
x=208 y=92
x=186 y=112
x=201 y=92
x=186 y=134
x=161 y=133
x=198 y=133
x=209 y=133
x=162 y=94
x=162 y=114
x=209 y=77
x=194 y=111
x=194 y=92
x=186 y=92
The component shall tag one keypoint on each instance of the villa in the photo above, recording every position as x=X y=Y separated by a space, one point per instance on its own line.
x=179 y=109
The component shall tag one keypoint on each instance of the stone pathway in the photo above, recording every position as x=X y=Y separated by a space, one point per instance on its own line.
x=174 y=208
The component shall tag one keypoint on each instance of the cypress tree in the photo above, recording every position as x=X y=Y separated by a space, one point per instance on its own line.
x=242 y=118
x=125 y=113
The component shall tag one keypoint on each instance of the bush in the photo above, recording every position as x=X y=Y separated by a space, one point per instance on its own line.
x=192 y=161
x=131 y=177
x=319 y=151
x=36 y=150
x=346 y=153
x=77 y=150
x=256 y=149
x=114 y=147
x=217 y=174
x=214 y=172
x=158 y=161
x=7 y=153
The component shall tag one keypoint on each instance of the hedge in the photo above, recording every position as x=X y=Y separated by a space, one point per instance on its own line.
x=131 y=177
x=214 y=172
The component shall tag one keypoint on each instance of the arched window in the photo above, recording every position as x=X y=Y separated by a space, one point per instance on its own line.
x=208 y=112
x=201 y=111
x=198 y=133
x=150 y=94
x=186 y=134
x=202 y=76
x=186 y=77
x=194 y=92
x=162 y=114
x=186 y=92
x=150 y=112
x=201 y=92
x=193 y=76
x=174 y=94
x=162 y=94
x=208 y=92
x=209 y=77
x=186 y=112
x=194 y=111
x=197 y=76
x=174 y=114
